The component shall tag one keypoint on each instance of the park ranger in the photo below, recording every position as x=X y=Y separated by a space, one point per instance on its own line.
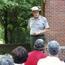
x=37 y=25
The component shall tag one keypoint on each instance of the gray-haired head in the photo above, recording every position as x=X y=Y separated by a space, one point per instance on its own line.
x=53 y=47
x=6 y=60
x=39 y=44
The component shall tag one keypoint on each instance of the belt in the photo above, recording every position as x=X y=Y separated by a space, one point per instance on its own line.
x=37 y=35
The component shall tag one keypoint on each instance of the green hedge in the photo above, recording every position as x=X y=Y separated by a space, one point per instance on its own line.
x=14 y=15
x=7 y=48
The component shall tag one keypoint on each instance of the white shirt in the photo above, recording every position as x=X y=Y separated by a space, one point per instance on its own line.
x=37 y=24
x=18 y=64
x=50 y=61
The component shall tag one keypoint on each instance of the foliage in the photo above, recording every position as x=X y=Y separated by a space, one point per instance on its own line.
x=1 y=33
x=14 y=17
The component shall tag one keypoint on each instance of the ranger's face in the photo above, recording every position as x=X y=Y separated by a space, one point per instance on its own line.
x=35 y=13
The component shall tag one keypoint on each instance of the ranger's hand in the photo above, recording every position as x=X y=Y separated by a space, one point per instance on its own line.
x=36 y=33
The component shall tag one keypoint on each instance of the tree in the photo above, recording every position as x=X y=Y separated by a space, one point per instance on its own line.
x=14 y=17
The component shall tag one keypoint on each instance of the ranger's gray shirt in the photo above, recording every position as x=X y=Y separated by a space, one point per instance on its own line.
x=37 y=24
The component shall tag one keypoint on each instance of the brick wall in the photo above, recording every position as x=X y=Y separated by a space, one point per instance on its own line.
x=55 y=13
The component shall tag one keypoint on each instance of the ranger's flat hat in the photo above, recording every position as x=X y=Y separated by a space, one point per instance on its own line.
x=35 y=8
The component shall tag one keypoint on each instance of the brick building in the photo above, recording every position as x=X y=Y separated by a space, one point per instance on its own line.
x=55 y=13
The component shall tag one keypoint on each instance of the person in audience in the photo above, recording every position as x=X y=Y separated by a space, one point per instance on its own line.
x=20 y=55
x=37 y=53
x=52 y=59
x=6 y=60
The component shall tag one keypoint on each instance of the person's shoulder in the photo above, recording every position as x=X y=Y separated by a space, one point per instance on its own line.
x=42 y=61
x=45 y=54
x=18 y=64
x=31 y=52
x=22 y=64
x=43 y=17
x=31 y=18
x=62 y=63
